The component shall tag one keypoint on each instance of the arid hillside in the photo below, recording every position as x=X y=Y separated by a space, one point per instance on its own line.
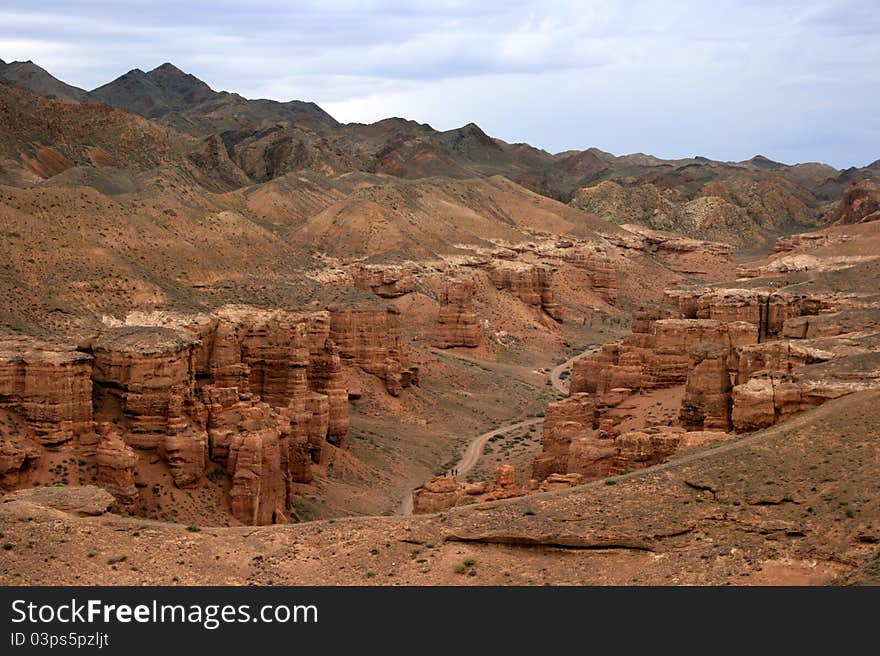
x=259 y=140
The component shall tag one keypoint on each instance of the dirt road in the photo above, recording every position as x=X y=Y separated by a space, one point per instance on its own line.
x=474 y=449
x=556 y=380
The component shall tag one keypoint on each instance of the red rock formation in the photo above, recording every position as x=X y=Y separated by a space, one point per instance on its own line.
x=782 y=356
x=564 y=421
x=387 y=281
x=531 y=284
x=439 y=493
x=259 y=482
x=655 y=358
x=860 y=204
x=369 y=338
x=559 y=482
x=773 y=397
x=442 y=492
x=19 y=454
x=644 y=317
x=274 y=346
x=637 y=449
x=325 y=378
x=116 y=463
x=185 y=450
x=603 y=274
x=50 y=386
x=651 y=447
x=457 y=323
x=144 y=376
x=678 y=335
x=265 y=451
x=706 y=404
x=766 y=309
x=590 y=456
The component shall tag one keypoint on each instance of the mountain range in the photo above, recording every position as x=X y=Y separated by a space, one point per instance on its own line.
x=224 y=141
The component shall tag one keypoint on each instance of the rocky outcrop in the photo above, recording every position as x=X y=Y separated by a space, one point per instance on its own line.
x=442 y=492
x=559 y=482
x=116 y=463
x=601 y=270
x=369 y=338
x=268 y=347
x=532 y=284
x=439 y=493
x=387 y=281
x=770 y=397
x=564 y=421
x=85 y=500
x=265 y=450
x=591 y=455
x=706 y=404
x=325 y=378
x=782 y=356
x=49 y=386
x=848 y=320
x=678 y=335
x=457 y=323
x=860 y=203
x=145 y=381
x=657 y=357
x=260 y=392
x=259 y=493
x=773 y=397
x=644 y=316
x=144 y=377
x=652 y=446
x=19 y=454
x=284 y=359
x=670 y=246
x=766 y=309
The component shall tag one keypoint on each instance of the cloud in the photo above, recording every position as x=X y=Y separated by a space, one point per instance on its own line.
x=794 y=80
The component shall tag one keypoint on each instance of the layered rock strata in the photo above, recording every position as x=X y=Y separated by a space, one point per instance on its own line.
x=49 y=386
x=443 y=492
x=369 y=338
x=457 y=323
x=387 y=281
x=532 y=284
x=259 y=392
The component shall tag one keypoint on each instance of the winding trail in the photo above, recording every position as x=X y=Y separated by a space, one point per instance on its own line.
x=560 y=385
x=471 y=455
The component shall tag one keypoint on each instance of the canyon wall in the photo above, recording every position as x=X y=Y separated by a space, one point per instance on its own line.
x=258 y=392
x=725 y=352
x=532 y=284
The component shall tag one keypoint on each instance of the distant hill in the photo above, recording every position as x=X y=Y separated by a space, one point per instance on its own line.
x=235 y=142
x=154 y=94
x=30 y=76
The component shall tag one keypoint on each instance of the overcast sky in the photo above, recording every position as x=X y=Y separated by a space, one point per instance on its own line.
x=794 y=80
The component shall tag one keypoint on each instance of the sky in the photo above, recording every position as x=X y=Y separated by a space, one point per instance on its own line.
x=793 y=80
